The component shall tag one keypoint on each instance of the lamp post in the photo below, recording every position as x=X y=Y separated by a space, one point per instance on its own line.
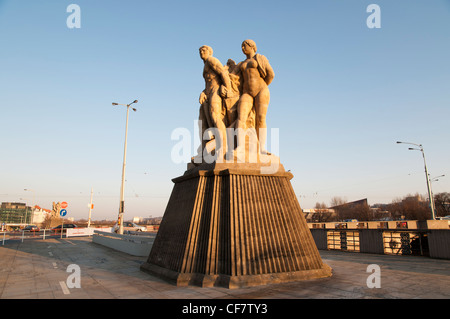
x=122 y=188
x=430 y=193
x=34 y=195
x=34 y=201
x=435 y=179
x=90 y=209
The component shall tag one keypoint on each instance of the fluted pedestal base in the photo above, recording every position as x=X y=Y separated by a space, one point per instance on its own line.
x=230 y=225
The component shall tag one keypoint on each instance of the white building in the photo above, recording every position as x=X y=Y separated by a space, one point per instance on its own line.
x=38 y=215
x=138 y=220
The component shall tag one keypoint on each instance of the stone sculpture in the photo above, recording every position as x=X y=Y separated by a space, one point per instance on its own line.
x=234 y=223
x=56 y=209
x=234 y=103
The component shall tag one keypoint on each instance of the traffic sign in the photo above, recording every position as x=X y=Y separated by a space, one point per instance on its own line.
x=64 y=205
x=63 y=212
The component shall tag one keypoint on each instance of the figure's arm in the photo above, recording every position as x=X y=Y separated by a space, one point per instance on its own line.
x=265 y=69
x=237 y=69
x=269 y=74
x=202 y=97
x=220 y=70
x=236 y=76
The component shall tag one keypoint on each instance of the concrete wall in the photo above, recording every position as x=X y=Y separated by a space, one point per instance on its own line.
x=399 y=224
x=439 y=243
x=435 y=242
x=320 y=238
x=371 y=241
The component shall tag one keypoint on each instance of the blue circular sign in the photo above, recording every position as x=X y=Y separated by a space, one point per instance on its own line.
x=63 y=212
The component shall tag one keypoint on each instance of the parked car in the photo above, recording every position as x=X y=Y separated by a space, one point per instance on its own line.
x=31 y=228
x=65 y=226
x=129 y=226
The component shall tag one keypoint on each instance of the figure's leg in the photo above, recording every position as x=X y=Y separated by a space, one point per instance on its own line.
x=261 y=106
x=244 y=107
x=203 y=125
x=217 y=117
x=230 y=124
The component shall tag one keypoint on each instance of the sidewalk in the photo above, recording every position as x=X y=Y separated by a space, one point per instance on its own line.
x=36 y=269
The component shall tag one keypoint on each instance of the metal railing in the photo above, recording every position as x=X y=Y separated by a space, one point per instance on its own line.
x=406 y=243
x=385 y=241
x=343 y=240
x=23 y=235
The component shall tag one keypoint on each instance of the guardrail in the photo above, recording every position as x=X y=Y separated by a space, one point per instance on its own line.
x=434 y=243
x=46 y=233
x=22 y=235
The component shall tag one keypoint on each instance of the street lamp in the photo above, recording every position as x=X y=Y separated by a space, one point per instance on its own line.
x=34 y=201
x=435 y=179
x=34 y=195
x=430 y=194
x=122 y=188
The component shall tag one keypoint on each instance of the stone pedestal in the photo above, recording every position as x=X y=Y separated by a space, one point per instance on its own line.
x=232 y=225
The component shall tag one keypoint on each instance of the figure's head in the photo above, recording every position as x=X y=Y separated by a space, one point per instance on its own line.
x=205 y=52
x=248 y=44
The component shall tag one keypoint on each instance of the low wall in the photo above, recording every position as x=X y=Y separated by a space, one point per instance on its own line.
x=439 y=243
x=434 y=243
x=396 y=224
x=72 y=232
x=139 y=245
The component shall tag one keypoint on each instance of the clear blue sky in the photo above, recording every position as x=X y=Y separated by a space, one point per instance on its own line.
x=343 y=94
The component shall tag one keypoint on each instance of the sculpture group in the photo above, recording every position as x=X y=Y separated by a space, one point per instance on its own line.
x=231 y=221
x=234 y=102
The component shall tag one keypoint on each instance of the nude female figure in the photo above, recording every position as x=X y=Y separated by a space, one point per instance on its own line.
x=257 y=74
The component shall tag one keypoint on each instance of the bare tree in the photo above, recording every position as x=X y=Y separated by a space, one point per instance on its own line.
x=361 y=212
x=442 y=203
x=338 y=204
x=322 y=213
x=410 y=207
x=337 y=201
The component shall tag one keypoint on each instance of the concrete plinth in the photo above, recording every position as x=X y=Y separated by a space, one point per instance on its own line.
x=231 y=225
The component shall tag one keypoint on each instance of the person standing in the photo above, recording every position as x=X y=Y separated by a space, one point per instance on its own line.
x=212 y=110
x=256 y=74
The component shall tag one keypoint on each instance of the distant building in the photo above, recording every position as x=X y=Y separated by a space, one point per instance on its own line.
x=39 y=215
x=8 y=205
x=138 y=220
x=352 y=204
x=147 y=220
x=20 y=213
x=15 y=213
x=415 y=198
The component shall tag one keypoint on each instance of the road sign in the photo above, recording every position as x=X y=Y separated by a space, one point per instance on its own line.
x=64 y=205
x=63 y=212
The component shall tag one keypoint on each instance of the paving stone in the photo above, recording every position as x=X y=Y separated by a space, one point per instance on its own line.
x=28 y=271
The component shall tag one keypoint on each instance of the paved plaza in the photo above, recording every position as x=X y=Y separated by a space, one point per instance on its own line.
x=40 y=269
